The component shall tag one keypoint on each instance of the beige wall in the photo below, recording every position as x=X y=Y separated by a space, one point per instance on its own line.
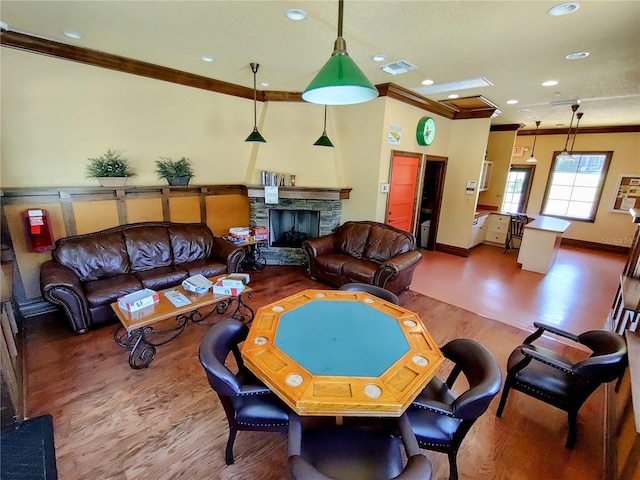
x=499 y=148
x=609 y=228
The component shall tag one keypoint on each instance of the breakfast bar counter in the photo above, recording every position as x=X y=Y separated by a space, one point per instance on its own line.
x=540 y=243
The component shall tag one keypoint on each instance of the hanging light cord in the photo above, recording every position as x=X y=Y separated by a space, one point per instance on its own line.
x=254 y=69
x=576 y=133
x=574 y=108
x=324 y=131
x=340 y=45
x=533 y=149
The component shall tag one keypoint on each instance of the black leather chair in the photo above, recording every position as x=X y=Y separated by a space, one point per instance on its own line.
x=554 y=379
x=349 y=452
x=516 y=228
x=373 y=290
x=247 y=402
x=439 y=418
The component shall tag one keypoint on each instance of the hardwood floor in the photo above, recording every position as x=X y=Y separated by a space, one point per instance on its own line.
x=165 y=422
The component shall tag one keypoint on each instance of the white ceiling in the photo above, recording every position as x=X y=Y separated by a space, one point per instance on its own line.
x=516 y=45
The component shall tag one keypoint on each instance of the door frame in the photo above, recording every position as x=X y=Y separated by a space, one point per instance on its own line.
x=437 y=198
x=418 y=188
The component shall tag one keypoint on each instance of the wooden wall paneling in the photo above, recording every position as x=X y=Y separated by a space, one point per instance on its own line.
x=225 y=211
x=144 y=210
x=94 y=216
x=184 y=209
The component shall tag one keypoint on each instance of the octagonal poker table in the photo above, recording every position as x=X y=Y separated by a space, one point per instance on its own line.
x=341 y=353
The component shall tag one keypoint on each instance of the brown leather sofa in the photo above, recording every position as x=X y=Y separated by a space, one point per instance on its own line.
x=366 y=252
x=89 y=272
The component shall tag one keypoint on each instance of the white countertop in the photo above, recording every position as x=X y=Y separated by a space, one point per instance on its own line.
x=550 y=224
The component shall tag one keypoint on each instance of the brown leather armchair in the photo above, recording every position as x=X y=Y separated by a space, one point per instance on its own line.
x=89 y=272
x=365 y=252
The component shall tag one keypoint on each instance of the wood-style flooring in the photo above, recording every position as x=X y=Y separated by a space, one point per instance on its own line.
x=165 y=422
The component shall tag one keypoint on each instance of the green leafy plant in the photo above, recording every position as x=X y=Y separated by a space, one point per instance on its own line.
x=168 y=168
x=110 y=164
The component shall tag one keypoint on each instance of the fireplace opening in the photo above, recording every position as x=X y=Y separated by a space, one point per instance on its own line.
x=289 y=228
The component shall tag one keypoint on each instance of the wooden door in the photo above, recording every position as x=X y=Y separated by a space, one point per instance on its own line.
x=401 y=205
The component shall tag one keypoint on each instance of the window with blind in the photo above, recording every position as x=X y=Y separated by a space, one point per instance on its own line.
x=574 y=186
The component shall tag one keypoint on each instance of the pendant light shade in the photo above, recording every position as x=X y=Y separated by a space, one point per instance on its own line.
x=532 y=159
x=565 y=155
x=324 y=141
x=340 y=81
x=255 y=137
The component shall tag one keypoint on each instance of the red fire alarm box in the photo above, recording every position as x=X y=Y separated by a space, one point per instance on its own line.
x=38 y=230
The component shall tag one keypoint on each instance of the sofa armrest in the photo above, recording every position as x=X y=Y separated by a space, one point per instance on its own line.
x=392 y=268
x=226 y=252
x=59 y=285
x=316 y=247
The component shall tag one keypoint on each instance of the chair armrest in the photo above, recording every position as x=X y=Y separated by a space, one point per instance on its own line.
x=534 y=353
x=294 y=446
x=543 y=327
x=60 y=286
x=434 y=406
x=393 y=267
x=318 y=246
x=254 y=389
x=418 y=467
x=228 y=253
x=300 y=468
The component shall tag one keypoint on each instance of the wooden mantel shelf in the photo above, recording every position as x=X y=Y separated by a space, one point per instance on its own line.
x=309 y=193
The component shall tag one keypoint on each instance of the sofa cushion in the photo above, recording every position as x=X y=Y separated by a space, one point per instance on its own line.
x=206 y=267
x=190 y=243
x=360 y=270
x=105 y=291
x=91 y=258
x=332 y=263
x=384 y=244
x=351 y=239
x=148 y=247
x=161 y=277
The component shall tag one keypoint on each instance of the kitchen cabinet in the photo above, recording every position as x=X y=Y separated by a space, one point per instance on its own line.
x=478 y=230
x=497 y=226
x=485 y=176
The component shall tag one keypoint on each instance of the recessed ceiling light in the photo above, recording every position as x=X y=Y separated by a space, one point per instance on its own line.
x=577 y=55
x=550 y=83
x=264 y=84
x=71 y=34
x=563 y=9
x=524 y=110
x=531 y=117
x=296 y=14
x=453 y=95
x=513 y=101
x=556 y=94
x=207 y=58
x=427 y=82
x=379 y=58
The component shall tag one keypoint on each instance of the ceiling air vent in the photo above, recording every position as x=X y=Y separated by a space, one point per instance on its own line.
x=401 y=66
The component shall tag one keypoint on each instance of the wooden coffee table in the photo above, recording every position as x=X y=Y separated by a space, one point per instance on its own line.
x=137 y=333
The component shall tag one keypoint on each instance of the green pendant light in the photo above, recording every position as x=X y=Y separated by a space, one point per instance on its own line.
x=340 y=81
x=324 y=141
x=255 y=137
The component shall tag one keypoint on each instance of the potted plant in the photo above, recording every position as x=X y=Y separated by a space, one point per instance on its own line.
x=175 y=172
x=110 y=169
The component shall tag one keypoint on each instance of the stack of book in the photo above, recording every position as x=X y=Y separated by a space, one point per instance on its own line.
x=233 y=284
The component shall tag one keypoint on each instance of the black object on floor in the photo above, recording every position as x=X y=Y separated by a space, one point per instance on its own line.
x=28 y=452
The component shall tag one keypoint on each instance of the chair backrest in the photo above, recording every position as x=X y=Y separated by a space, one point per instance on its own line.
x=517 y=225
x=373 y=290
x=609 y=357
x=221 y=340
x=482 y=372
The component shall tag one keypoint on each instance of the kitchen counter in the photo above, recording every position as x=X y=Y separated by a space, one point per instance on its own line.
x=540 y=243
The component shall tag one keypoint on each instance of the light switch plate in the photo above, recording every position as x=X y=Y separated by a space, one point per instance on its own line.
x=384 y=188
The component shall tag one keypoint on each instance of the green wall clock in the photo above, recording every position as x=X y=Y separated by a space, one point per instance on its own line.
x=426 y=131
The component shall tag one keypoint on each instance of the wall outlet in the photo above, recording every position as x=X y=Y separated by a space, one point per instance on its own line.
x=384 y=188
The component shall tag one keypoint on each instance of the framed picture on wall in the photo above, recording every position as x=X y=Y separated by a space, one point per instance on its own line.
x=627 y=194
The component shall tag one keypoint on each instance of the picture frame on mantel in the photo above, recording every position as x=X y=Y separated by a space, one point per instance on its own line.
x=627 y=194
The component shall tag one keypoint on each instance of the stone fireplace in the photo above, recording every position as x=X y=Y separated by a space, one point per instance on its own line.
x=301 y=212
